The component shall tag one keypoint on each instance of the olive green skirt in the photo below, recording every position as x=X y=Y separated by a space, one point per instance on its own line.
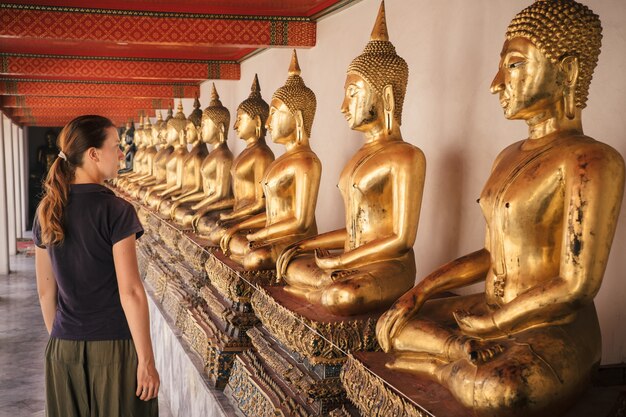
x=94 y=379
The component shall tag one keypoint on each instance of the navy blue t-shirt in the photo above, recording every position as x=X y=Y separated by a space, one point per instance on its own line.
x=89 y=306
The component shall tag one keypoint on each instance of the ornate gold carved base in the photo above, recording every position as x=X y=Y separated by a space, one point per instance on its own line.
x=309 y=330
x=170 y=234
x=378 y=391
x=270 y=380
x=208 y=337
x=297 y=356
x=231 y=280
x=255 y=393
x=195 y=251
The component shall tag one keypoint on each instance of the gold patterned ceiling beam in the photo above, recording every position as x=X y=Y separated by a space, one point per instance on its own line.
x=127 y=26
x=68 y=88
x=60 y=121
x=114 y=68
x=77 y=111
x=105 y=103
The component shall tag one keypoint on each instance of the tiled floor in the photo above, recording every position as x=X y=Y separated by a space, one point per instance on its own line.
x=23 y=339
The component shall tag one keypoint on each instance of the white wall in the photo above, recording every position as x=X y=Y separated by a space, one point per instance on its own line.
x=452 y=48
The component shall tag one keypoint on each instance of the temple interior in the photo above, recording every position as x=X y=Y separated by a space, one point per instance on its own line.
x=298 y=166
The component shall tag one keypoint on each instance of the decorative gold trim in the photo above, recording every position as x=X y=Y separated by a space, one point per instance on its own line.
x=235 y=285
x=371 y=395
x=195 y=255
x=255 y=393
x=327 y=390
x=319 y=342
x=177 y=15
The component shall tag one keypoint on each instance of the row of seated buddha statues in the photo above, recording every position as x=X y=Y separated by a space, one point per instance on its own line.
x=530 y=342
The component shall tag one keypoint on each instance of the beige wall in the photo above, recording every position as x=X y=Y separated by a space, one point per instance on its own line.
x=452 y=48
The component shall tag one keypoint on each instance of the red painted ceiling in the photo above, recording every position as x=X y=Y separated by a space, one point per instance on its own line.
x=133 y=50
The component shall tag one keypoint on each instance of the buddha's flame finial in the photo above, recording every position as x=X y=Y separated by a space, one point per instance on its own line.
x=159 y=116
x=256 y=88
x=196 y=103
x=379 y=32
x=179 y=108
x=294 y=67
x=214 y=95
x=170 y=112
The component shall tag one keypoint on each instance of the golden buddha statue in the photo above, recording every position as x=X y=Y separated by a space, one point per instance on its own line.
x=159 y=171
x=149 y=153
x=247 y=172
x=527 y=345
x=215 y=169
x=124 y=145
x=382 y=191
x=152 y=132
x=175 y=137
x=189 y=179
x=290 y=184
x=137 y=169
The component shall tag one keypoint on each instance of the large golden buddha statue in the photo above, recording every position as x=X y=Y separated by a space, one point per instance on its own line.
x=175 y=137
x=527 y=345
x=246 y=173
x=382 y=191
x=290 y=184
x=189 y=176
x=214 y=170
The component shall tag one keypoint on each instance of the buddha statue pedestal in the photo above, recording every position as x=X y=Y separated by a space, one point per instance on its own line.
x=216 y=327
x=299 y=351
x=378 y=391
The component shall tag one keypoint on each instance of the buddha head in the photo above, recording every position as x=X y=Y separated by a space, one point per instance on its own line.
x=193 y=123
x=376 y=82
x=292 y=108
x=176 y=125
x=148 y=131
x=215 y=120
x=252 y=114
x=139 y=131
x=170 y=113
x=159 y=129
x=547 y=61
x=129 y=133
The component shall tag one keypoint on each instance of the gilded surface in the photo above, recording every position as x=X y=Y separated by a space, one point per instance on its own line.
x=256 y=394
x=211 y=179
x=370 y=394
x=319 y=342
x=528 y=344
x=304 y=383
x=194 y=254
x=232 y=284
x=212 y=219
x=370 y=263
x=290 y=183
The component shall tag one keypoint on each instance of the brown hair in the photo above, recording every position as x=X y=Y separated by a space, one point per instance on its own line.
x=77 y=136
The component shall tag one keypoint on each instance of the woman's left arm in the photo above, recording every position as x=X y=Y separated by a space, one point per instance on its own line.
x=135 y=305
x=46 y=286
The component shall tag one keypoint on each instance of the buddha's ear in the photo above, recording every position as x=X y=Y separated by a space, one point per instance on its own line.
x=389 y=106
x=570 y=68
x=258 y=126
x=222 y=129
x=299 y=124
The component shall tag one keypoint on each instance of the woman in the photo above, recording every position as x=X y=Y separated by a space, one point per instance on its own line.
x=99 y=360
